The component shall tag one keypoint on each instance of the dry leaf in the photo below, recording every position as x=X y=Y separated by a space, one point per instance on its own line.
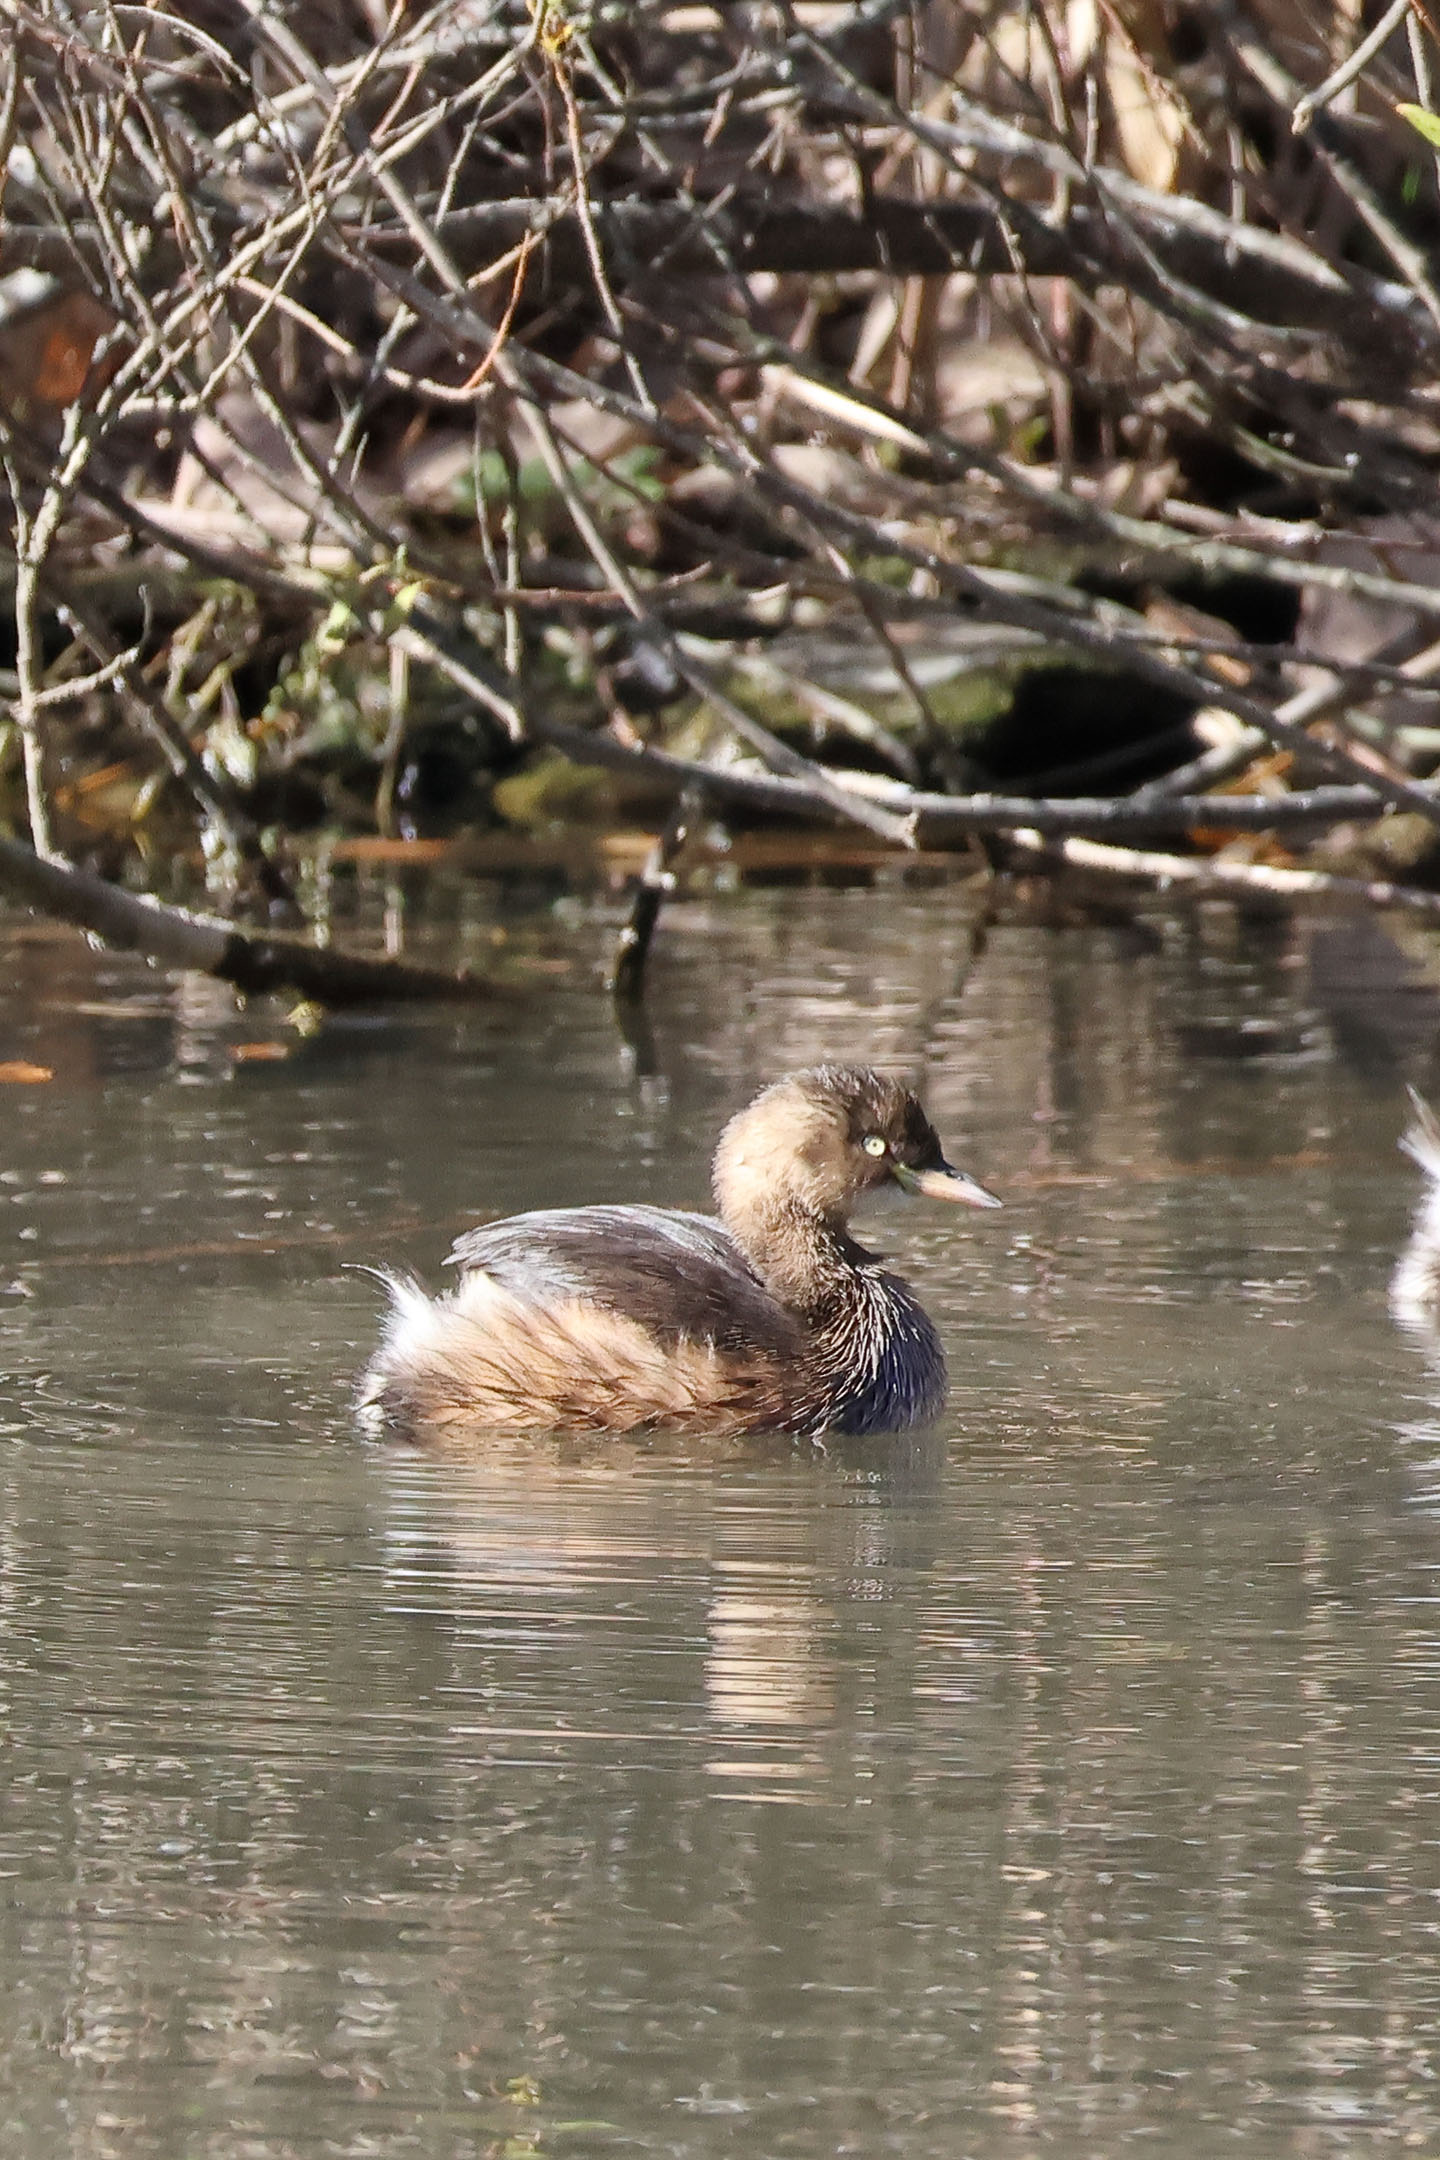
x=22 y=1073
x=46 y=351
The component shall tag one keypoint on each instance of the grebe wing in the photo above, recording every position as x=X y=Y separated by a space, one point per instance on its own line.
x=679 y=1275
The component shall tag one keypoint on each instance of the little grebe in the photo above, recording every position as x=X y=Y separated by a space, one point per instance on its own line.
x=609 y=1319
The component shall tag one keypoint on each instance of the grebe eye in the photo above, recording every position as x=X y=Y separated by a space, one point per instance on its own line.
x=874 y=1145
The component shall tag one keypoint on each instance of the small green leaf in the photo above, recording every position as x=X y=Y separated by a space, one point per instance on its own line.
x=1424 y=123
x=340 y=624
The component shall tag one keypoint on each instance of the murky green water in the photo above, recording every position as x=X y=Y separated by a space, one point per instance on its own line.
x=1066 y=1781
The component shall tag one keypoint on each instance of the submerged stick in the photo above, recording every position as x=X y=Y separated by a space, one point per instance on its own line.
x=657 y=882
x=250 y=961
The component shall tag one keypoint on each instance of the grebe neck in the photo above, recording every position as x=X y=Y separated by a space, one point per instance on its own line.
x=808 y=1264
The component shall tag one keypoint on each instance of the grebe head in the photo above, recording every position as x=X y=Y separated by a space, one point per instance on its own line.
x=814 y=1143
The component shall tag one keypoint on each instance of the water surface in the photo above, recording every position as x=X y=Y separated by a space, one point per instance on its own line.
x=1067 y=1779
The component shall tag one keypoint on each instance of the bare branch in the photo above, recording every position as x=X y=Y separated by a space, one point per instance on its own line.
x=253 y=963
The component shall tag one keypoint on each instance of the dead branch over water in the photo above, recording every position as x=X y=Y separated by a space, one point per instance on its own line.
x=254 y=962
x=801 y=408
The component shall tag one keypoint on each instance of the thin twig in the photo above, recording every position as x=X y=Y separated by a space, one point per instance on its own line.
x=1315 y=100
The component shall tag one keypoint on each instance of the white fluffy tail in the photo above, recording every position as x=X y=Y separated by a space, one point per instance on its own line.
x=1421 y=1139
x=1415 y=1284
x=410 y=1324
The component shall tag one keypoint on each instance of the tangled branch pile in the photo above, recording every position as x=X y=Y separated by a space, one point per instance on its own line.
x=847 y=411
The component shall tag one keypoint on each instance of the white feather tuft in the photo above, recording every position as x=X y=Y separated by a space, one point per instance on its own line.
x=1415 y=1284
